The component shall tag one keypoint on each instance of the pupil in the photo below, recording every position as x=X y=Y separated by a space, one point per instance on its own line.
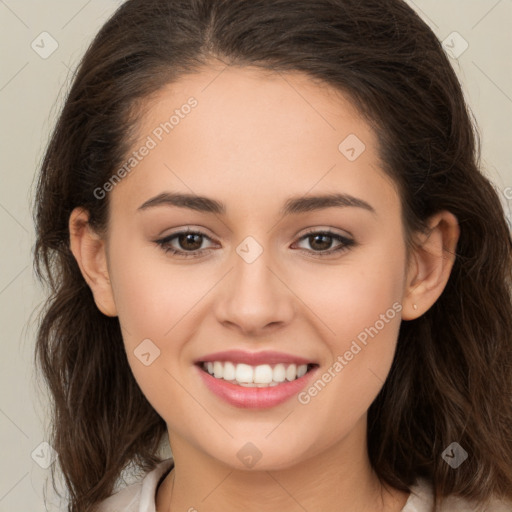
x=323 y=246
x=189 y=237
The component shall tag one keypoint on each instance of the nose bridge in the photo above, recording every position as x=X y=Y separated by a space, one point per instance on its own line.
x=255 y=296
x=252 y=264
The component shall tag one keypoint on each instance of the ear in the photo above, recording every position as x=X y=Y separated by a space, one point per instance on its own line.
x=430 y=264
x=89 y=250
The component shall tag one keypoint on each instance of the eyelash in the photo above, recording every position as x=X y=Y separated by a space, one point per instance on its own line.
x=345 y=243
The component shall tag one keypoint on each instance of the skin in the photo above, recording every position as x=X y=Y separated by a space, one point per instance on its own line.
x=254 y=140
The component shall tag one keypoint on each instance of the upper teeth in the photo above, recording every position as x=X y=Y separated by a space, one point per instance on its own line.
x=261 y=374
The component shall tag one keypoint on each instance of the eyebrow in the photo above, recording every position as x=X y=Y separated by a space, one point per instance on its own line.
x=293 y=205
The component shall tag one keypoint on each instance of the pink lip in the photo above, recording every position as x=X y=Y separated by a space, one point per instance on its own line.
x=255 y=398
x=254 y=358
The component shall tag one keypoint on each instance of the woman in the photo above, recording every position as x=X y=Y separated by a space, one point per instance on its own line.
x=269 y=242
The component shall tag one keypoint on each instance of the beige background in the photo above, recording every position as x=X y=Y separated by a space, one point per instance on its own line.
x=31 y=88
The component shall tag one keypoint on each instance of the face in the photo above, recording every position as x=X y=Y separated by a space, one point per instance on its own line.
x=265 y=268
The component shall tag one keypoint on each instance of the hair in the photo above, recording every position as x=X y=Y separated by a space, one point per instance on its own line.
x=451 y=378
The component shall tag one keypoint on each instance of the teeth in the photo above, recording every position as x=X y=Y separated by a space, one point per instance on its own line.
x=291 y=372
x=218 y=370
x=263 y=374
x=259 y=376
x=279 y=373
x=244 y=373
x=229 y=372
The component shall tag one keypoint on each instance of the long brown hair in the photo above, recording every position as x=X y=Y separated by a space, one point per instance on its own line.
x=451 y=379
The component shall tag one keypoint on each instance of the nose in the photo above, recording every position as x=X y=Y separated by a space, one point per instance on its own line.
x=255 y=297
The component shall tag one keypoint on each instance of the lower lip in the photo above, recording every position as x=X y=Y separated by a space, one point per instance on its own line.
x=255 y=398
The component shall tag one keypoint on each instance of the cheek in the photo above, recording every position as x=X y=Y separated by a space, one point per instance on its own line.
x=151 y=294
x=154 y=300
x=361 y=355
x=352 y=295
x=360 y=303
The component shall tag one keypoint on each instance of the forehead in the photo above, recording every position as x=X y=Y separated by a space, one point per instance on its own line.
x=254 y=102
x=238 y=131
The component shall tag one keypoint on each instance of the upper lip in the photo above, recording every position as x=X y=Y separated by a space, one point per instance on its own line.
x=254 y=358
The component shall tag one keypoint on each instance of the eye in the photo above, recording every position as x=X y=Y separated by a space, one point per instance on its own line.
x=189 y=243
x=321 y=242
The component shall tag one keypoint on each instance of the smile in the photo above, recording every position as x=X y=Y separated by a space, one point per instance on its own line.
x=264 y=375
x=240 y=385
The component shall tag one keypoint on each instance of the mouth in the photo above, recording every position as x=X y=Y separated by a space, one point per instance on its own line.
x=255 y=376
x=255 y=380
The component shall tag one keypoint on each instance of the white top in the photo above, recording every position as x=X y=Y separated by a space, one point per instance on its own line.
x=140 y=497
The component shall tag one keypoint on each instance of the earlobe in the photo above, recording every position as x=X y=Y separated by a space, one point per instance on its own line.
x=89 y=250
x=431 y=263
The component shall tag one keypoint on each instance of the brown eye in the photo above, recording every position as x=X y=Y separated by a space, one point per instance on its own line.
x=190 y=241
x=184 y=244
x=321 y=243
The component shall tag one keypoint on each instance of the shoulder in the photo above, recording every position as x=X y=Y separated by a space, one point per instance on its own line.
x=421 y=500
x=138 y=496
